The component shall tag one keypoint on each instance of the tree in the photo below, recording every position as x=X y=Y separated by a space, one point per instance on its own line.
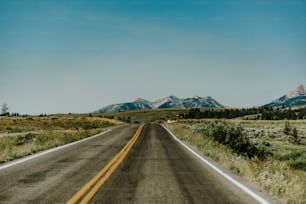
x=295 y=137
x=287 y=128
x=4 y=110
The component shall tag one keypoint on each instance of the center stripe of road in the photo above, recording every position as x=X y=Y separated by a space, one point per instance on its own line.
x=91 y=188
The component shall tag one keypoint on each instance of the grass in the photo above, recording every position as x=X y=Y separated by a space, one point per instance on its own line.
x=147 y=116
x=21 y=136
x=282 y=174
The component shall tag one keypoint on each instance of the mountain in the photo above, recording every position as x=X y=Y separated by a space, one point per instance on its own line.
x=167 y=102
x=207 y=102
x=194 y=102
x=145 y=103
x=295 y=97
x=170 y=99
x=139 y=104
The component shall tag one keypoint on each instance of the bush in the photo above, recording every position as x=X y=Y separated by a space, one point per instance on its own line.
x=235 y=138
x=25 y=139
x=300 y=165
x=287 y=128
x=292 y=133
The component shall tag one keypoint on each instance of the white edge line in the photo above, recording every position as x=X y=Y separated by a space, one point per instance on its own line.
x=13 y=163
x=239 y=185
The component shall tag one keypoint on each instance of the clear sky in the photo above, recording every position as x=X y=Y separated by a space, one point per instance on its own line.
x=77 y=56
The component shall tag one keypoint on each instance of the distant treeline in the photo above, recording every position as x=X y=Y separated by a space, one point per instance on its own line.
x=262 y=113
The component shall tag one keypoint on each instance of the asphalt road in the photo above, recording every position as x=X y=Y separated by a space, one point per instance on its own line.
x=156 y=170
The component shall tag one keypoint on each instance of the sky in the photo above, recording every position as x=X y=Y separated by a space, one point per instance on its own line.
x=78 y=56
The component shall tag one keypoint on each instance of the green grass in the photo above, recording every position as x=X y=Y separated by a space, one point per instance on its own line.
x=147 y=115
x=24 y=136
x=282 y=174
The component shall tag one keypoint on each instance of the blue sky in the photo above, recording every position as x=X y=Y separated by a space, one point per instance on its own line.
x=78 y=56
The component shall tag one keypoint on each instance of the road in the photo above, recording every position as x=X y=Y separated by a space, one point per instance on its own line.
x=156 y=169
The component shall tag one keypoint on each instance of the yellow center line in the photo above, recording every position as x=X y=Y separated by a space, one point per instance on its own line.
x=97 y=181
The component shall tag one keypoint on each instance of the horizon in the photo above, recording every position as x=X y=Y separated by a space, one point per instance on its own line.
x=80 y=56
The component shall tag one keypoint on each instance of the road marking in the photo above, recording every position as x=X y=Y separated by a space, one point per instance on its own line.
x=88 y=191
x=19 y=161
x=236 y=183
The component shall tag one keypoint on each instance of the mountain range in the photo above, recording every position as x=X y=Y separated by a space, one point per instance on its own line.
x=167 y=102
x=295 y=97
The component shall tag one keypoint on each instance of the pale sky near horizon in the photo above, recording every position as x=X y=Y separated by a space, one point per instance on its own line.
x=78 y=56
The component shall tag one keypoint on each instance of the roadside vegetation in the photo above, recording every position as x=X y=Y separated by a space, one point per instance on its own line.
x=21 y=136
x=271 y=154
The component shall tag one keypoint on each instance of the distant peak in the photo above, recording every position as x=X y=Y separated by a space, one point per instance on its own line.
x=172 y=97
x=139 y=99
x=298 y=91
x=196 y=97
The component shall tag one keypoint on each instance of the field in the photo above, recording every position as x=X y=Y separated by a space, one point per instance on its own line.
x=21 y=136
x=277 y=163
x=282 y=172
x=146 y=115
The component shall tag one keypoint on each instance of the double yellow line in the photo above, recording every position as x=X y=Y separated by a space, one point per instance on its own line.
x=91 y=188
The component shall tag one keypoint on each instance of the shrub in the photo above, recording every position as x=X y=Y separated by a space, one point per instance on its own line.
x=292 y=133
x=235 y=138
x=301 y=165
x=287 y=128
x=24 y=139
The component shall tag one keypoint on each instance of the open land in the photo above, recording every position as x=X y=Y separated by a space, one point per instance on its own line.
x=278 y=167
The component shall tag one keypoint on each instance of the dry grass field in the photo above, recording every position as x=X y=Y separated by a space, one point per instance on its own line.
x=21 y=136
x=282 y=173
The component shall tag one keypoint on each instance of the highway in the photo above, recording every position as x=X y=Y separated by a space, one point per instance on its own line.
x=129 y=164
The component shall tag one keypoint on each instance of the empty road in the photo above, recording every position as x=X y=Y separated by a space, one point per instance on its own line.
x=154 y=169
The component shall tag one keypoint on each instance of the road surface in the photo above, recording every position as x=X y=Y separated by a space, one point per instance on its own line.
x=156 y=169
